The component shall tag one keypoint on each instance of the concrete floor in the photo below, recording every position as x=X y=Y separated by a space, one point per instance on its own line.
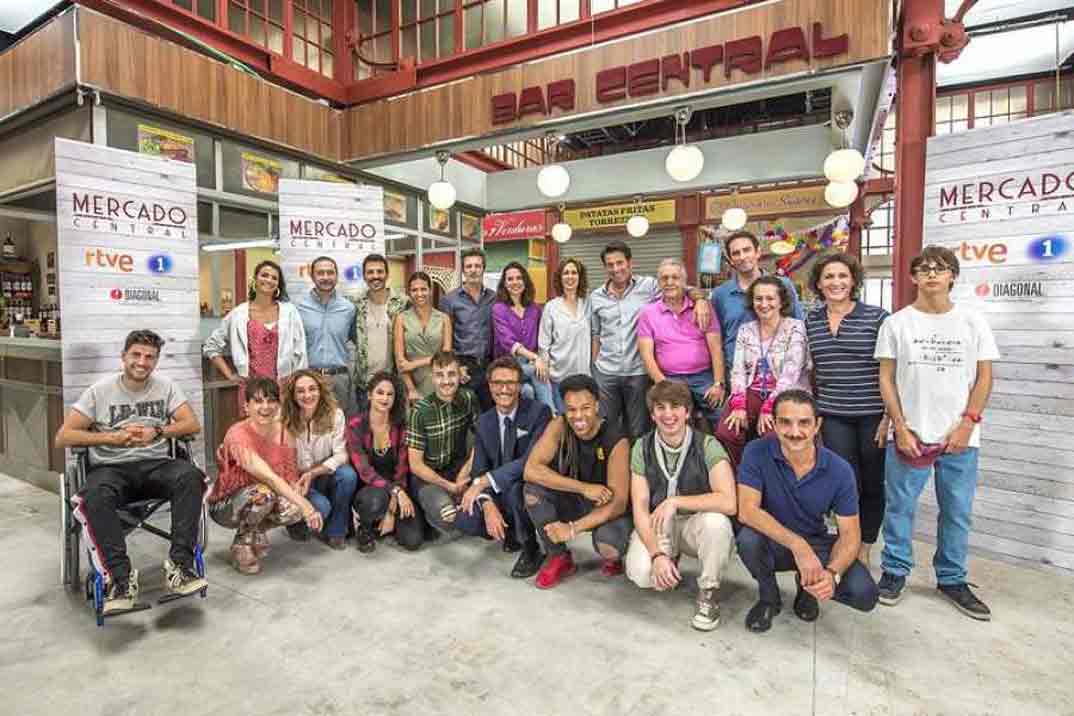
x=445 y=631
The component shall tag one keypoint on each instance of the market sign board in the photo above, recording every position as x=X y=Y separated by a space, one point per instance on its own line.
x=324 y=218
x=770 y=204
x=514 y=225
x=127 y=239
x=611 y=216
x=1002 y=199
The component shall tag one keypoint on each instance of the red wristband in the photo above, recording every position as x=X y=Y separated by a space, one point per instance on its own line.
x=974 y=417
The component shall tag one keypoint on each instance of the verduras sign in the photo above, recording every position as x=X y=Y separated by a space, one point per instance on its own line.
x=513 y=225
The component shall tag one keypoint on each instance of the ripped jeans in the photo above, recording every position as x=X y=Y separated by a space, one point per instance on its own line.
x=547 y=506
x=252 y=511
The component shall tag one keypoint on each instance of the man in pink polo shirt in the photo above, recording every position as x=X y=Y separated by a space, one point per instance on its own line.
x=672 y=347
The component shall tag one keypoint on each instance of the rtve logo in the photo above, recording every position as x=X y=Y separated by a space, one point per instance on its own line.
x=103 y=259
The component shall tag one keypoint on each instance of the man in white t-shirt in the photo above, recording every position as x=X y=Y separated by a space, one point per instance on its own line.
x=126 y=421
x=935 y=377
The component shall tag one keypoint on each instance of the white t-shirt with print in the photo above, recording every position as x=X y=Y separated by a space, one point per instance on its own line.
x=936 y=358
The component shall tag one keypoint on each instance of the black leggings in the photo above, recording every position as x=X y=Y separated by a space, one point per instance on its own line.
x=853 y=439
x=371 y=504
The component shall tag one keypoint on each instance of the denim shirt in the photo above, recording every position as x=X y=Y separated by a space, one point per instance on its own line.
x=329 y=327
x=471 y=322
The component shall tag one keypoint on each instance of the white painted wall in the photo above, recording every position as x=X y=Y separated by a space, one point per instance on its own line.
x=420 y=173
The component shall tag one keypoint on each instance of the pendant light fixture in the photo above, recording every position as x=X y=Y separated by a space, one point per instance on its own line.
x=843 y=167
x=441 y=193
x=553 y=180
x=685 y=161
x=561 y=230
x=638 y=224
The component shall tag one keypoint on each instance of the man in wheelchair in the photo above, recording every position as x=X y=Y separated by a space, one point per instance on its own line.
x=127 y=421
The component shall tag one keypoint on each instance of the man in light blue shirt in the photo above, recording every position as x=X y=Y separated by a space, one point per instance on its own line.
x=329 y=322
x=743 y=251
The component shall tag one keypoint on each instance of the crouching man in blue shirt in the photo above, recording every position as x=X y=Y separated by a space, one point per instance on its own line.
x=786 y=485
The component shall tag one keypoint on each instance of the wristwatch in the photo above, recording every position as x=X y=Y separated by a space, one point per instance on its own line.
x=159 y=432
x=396 y=490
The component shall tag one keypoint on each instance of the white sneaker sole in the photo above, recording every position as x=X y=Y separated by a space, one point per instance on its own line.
x=704 y=624
x=892 y=601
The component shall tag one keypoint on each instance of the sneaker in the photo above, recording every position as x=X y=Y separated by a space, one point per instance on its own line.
x=528 y=563
x=966 y=601
x=805 y=606
x=611 y=567
x=556 y=568
x=707 y=616
x=121 y=595
x=181 y=579
x=889 y=589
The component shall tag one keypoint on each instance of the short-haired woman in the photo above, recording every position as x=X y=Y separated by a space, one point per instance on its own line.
x=515 y=321
x=564 y=343
x=326 y=477
x=257 y=471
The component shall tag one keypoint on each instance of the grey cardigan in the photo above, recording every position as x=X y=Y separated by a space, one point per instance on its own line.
x=229 y=338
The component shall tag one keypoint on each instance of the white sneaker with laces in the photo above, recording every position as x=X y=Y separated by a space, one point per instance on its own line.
x=707 y=616
x=120 y=597
x=182 y=580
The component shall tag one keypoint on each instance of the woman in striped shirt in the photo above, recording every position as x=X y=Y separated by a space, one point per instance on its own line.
x=842 y=338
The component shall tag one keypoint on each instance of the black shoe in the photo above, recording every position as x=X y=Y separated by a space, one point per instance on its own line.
x=510 y=543
x=805 y=606
x=760 y=617
x=889 y=589
x=966 y=601
x=366 y=540
x=528 y=564
x=299 y=532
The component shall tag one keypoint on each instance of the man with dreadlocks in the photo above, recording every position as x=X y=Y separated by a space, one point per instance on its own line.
x=578 y=480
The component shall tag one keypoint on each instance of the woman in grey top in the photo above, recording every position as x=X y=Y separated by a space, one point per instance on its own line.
x=563 y=341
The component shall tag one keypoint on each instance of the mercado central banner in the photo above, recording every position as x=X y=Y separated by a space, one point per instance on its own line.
x=324 y=218
x=1002 y=198
x=127 y=239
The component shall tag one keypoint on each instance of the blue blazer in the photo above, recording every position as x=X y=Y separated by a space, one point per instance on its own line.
x=531 y=417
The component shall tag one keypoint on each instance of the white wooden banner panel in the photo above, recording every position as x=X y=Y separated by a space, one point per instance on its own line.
x=128 y=256
x=1002 y=198
x=317 y=218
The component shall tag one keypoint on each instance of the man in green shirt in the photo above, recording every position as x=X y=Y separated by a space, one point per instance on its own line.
x=440 y=445
x=682 y=491
x=374 y=316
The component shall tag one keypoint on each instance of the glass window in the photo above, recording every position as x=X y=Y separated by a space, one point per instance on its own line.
x=255 y=173
x=878 y=292
x=205 y=218
x=261 y=21
x=878 y=238
x=311 y=30
x=242 y=224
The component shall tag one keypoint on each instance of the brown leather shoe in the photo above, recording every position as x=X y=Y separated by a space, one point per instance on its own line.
x=244 y=559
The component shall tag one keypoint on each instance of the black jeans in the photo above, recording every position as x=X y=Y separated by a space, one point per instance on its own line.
x=109 y=487
x=622 y=400
x=853 y=439
x=371 y=504
x=514 y=513
x=547 y=506
x=764 y=557
x=477 y=382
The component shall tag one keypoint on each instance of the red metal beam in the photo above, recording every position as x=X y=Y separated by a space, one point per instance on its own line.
x=482 y=161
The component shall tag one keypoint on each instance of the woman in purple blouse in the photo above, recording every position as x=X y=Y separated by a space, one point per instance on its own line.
x=515 y=321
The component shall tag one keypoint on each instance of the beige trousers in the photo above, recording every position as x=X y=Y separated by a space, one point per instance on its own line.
x=705 y=535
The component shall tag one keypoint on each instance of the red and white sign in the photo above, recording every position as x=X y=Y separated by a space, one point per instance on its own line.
x=513 y=226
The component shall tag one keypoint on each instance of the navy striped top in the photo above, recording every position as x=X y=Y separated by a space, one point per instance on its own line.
x=847 y=375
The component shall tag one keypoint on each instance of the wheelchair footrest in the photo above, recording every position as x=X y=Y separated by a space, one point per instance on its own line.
x=171 y=597
x=138 y=607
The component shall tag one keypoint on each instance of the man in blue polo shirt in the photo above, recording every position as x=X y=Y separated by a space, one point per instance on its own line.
x=743 y=251
x=786 y=485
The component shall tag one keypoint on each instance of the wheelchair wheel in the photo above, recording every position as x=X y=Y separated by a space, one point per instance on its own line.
x=199 y=567
x=70 y=543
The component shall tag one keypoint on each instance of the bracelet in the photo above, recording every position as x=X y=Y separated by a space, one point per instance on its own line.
x=658 y=553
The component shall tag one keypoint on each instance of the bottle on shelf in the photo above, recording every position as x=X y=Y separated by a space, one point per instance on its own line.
x=8 y=250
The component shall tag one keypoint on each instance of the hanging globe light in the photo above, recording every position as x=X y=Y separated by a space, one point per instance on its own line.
x=734 y=219
x=561 y=232
x=844 y=166
x=684 y=162
x=841 y=194
x=553 y=181
x=637 y=226
x=441 y=193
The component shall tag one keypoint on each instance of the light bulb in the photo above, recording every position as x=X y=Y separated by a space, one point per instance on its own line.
x=442 y=194
x=841 y=194
x=684 y=162
x=561 y=232
x=637 y=226
x=553 y=181
x=734 y=219
x=844 y=165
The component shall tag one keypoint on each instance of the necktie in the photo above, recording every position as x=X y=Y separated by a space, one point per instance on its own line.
x=507 y=441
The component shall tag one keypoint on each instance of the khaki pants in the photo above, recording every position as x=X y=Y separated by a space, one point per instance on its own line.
x=705 y=535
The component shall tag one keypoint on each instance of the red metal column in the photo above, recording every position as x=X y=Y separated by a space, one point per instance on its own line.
x=916 y=107
x=859 y=220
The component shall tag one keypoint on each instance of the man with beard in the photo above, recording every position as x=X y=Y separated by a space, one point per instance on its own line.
x=470 y=308
x=374 y=317
x=329 y=322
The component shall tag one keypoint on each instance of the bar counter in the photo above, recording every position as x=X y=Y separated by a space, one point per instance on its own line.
x=31 y=410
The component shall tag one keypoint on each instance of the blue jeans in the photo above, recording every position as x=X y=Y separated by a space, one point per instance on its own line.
x=331 y=495
x=699 y=384
x=533 y=388
x=558 y=406
x=956 y=483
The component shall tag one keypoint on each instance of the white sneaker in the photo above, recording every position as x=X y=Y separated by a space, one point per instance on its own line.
x=121 y=596
x=707 y=616
x=182 y=580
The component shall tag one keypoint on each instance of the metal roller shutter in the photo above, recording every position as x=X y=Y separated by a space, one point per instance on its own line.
x=648 y=252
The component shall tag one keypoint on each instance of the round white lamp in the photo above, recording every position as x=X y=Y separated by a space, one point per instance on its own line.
x=637 y=226
x=561 y=232
x=442 y=194
x=684 y=162
x=553 y=181
x=844 y=165
x=734 y=219
x=841 y=194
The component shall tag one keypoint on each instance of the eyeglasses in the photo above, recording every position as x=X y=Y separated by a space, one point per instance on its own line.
x=932 y=269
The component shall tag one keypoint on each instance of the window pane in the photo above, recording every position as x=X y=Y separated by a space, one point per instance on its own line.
x=298 y=51
x=410 y=41
x=275 y=39
x=409 y=13
x=313 y=57
x=1000 y=104
x=276 y=10
x=241 y=224
x=447 y=35
x=257 y=29
x=516 y=17
x=427 y=32
x=185 y=4
x=383 y=49
x=427 y=8
x=943 y=109
x=493 y=21
x=1043 y=96
x=569 y=11
x=596 y=6
x=327 y=66
x=236 y=19
x=960 y=106
x=982 y=104
x=383 y=15
x=472 y=27
x=546 y=13
x=326 y=35
x=1018 y=99
x=257 y=6
x=327 y=9
x=205 y=217
x=207 y=9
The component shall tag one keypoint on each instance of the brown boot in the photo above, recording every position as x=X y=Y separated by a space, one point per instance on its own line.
x=244 y=559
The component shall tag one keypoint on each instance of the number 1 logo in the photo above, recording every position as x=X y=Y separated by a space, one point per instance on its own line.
x=1049 y=248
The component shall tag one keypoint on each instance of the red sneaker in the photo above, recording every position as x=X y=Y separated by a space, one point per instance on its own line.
x=611 y=567
x=557 y=568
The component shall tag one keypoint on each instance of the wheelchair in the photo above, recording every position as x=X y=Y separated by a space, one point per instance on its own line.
x=134 y=515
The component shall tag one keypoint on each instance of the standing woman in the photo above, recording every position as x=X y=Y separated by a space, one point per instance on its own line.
x=771 y=356
x=564 y=342
x=264 y=336
x=257 y=470
x=326 y=478
x=377 y=444
x=420 y=331
x=516 y=320
x=842 y=341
